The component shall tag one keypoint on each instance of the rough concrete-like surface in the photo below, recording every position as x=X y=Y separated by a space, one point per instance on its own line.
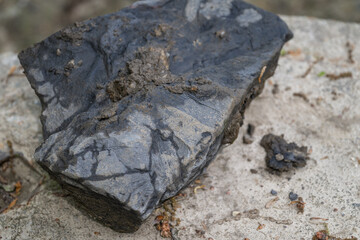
x=19 y=109
x=326 y=119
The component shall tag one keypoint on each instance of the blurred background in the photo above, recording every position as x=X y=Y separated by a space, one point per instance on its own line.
x=24 y=22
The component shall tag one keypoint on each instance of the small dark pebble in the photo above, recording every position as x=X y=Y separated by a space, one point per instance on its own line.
x=200 y=232
x=356 y=205
x=273 y=192
x=293 y=196
x=276 y=89
x=253 y=171
x=250 y=129
x=282 y=156
x=247 y=139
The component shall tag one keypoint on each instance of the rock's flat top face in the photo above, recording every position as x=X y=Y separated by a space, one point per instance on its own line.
x=137 y=103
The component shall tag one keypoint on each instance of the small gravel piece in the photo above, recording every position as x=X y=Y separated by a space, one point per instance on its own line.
x=293 y=196
x=279 y=157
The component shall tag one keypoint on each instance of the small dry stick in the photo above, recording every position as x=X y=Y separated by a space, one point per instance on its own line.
x=350 y=48
x=262 y=73
x=35 y=191
x=311 y=67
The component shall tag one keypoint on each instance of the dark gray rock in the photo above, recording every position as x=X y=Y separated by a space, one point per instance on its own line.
x=282 y=156
x=136 y=104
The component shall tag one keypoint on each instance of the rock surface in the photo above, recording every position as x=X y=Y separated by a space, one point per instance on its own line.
x=137 y=103
x=328 y=184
